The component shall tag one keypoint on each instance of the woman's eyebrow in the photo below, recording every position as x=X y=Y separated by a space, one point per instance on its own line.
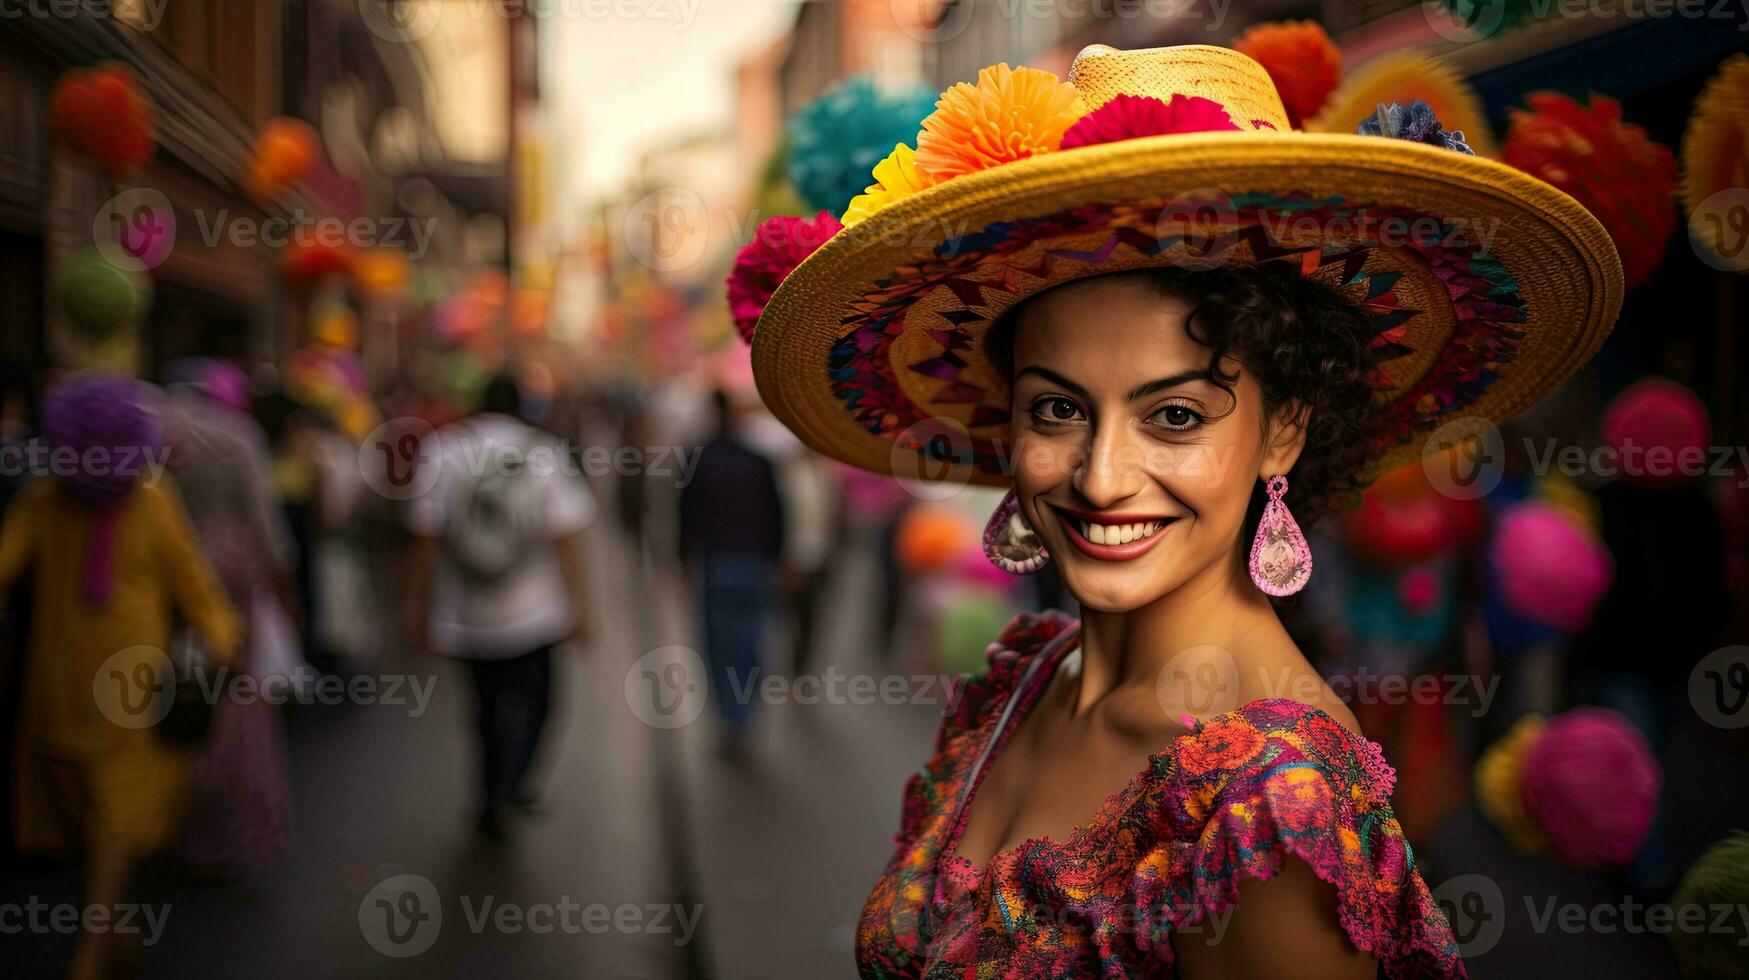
x=1148 y=388
x=1054 y=378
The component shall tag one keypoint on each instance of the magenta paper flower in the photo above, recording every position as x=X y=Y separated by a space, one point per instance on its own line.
x=779 y=245
x=1126 y=117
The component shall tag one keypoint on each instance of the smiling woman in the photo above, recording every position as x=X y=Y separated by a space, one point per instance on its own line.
x=1161 y=382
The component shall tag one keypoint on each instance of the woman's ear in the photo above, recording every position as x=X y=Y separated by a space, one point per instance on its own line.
x=1283 y=439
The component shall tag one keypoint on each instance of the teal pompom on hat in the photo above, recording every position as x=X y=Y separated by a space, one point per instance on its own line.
x=836 y=140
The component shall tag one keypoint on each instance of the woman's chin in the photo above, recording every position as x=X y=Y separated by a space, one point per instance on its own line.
x=1112 y=590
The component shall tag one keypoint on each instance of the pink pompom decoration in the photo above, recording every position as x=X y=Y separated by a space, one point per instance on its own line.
x=1551 y=571
x=1659 y=431
x=1591 y=782
x=778 y=246
x=1130 y=116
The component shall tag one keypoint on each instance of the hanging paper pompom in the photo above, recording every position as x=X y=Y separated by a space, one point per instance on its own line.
x=1608 y=165
x=931 y=537
x=100 y=412
x=1403 y=520
x=1660 y=432
x=836 y=140
x=1715 y=158
x=1718 y=879
x=1010 y=114
x=1487 y=17
x=778 y=246
x=1404 y=78
x=310 y=260
x=1130 y=116
x=104 y=113
x=283 y=155
x=895 y=177
x=1300 y=58
x=963 y=629
x=1500 y=786
x=101 y=298
x=1548 y=569
x=1591 y=783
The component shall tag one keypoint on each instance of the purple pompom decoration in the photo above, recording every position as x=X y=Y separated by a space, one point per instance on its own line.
x=105 y=421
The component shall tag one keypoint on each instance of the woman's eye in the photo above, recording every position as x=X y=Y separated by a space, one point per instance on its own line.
x=1055 y=409
x=1177 y=417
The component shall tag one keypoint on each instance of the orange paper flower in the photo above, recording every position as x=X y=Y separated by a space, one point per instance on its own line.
x=1301 y=60
x=1010 y=114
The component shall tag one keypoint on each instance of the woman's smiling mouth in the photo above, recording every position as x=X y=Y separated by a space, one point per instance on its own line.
x=1112 y=537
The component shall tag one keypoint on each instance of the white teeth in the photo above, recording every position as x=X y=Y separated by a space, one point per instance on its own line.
x=1119 y=533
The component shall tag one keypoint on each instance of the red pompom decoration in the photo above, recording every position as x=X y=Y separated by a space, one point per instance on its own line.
x=103 y=113
x=307 y=261
x=1402 y=520
x=1302 y=61
x=1610 y=166
x=777 y=248
x=1129 y=116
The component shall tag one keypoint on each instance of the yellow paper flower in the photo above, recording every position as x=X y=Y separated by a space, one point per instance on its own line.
x=895 y=177
x=1404 y=76
x=1715 y=157
x=1010 y=114
x=1499 y=776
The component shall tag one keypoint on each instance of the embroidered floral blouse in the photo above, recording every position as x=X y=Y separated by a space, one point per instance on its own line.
x=1228 y=799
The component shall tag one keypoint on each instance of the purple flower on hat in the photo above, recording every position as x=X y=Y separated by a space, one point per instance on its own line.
x=105 y=414
x=1414 y=122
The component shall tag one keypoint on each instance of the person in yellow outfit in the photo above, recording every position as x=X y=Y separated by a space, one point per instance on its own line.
x=110 y=550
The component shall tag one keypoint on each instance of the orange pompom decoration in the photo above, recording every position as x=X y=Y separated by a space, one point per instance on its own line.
x=283 y=154
x=1010 y=114
x=1301 y=60
x=1715 y=159
x=1606 y=164
x=104 y=113
x=930 y=537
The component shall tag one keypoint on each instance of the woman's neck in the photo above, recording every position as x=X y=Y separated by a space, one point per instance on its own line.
x=1218 y=606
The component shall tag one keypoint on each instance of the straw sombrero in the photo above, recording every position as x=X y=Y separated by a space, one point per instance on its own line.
x=1486 y=285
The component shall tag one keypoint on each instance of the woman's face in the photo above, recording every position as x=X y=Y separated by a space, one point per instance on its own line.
x=1133 y=467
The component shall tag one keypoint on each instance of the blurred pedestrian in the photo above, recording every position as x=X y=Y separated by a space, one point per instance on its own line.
x=239 y=810
x=732 y=531
x=111 y=551
x=497 y=580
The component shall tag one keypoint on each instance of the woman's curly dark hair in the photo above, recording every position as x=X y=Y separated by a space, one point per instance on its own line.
x=1301 y=341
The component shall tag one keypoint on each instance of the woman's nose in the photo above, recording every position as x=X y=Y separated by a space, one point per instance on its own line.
x=1110 y=470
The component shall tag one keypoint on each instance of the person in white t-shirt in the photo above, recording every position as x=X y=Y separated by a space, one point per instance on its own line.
x=497 y=578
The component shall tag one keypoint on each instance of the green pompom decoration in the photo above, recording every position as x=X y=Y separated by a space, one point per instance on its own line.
x=100 y=298
x=966 y=626
x=1719 y=879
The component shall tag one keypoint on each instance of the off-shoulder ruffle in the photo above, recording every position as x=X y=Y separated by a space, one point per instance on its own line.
x=1243 y=791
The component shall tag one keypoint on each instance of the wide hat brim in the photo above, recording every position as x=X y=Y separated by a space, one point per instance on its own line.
x=871 y=351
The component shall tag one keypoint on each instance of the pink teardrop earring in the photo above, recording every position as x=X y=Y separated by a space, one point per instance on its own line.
x=1010 y=543
x=1281 y=562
